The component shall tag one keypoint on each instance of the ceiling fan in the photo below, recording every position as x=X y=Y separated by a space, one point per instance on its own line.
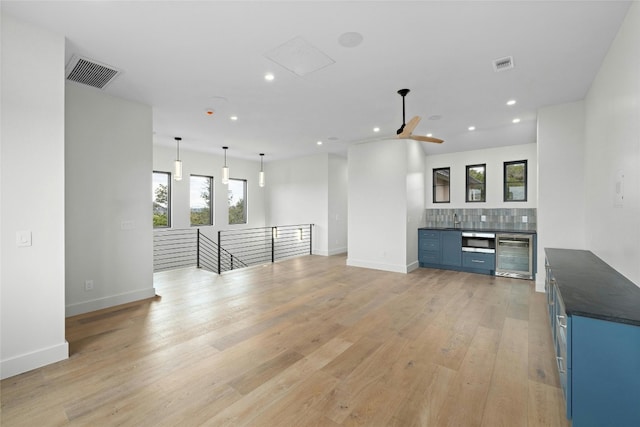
x=405 y=131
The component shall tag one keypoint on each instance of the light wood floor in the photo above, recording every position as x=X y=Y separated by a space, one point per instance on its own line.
x=304 y=342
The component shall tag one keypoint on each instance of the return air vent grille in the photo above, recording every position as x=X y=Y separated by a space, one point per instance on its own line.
x=502 y=64
x=90 y=72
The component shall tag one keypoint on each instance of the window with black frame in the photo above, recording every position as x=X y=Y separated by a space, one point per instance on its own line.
x=476 y=183
x=201 y=200
x=237 y=197
x=441 y=185
x=161 y=196
x=515 y=181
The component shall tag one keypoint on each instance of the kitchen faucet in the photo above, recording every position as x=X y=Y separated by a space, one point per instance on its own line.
x=456 y=223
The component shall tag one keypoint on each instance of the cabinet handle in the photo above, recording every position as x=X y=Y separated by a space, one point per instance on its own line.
x=560 y=319
x=560 y=361
x=478 y=261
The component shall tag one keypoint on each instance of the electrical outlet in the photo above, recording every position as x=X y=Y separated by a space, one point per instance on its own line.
x=525 y=218
x=483 y=218
x=88 y=285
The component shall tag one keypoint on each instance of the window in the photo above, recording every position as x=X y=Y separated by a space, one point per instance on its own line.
x=476 y=183
x=200 y=200
x=441 y=185
x=237 y=201
x=515 y=181
x=161 y=196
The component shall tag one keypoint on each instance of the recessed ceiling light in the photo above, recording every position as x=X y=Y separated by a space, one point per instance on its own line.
x=516 y=120
x=429 y=135
x=234 y=118
x=319 y=143
x=472 y=128
x=209 y=112
x=269 y=77
x=376 y=129
x=511 y=102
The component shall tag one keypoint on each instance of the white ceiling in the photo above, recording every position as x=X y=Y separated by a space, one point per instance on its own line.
x=183 y=58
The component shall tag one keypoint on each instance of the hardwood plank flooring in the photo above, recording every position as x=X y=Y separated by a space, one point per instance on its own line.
x=304 y=342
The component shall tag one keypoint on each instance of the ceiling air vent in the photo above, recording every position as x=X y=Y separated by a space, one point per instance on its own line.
x=502 y=64
x=90 y=72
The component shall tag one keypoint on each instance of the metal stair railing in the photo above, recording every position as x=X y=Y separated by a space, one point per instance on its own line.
x=267 y=244
x=179 y=248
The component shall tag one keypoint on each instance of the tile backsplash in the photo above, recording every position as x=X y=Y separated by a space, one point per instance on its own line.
x=495 y=219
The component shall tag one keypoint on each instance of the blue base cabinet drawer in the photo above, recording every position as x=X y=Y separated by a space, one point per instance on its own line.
x=479 y=260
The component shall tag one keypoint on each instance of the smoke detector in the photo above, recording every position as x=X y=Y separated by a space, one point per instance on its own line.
x=90 y=72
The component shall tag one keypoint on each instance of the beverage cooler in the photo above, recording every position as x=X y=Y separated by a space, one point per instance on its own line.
x=514 y=255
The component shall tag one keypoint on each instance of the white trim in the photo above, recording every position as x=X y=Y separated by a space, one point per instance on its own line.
x=378 y=266
x=110 y=301
x=36 y=359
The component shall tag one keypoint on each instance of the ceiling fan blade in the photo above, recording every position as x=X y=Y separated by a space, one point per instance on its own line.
x=426 y=139
x=409 y=127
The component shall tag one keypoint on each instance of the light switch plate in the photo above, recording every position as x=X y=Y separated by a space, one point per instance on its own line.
x=23 y=238
x=525 y=218
x=483 y=218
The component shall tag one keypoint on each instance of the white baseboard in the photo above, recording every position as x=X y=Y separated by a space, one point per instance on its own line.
x=110 y=301
x=36 y=359
x=378 y=266
x=334 y=251
x=413 y=266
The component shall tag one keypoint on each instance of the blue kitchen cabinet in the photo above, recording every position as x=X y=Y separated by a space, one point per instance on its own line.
x=429 y=248
x=595 y=322
x=452 y=248
x=483 y=262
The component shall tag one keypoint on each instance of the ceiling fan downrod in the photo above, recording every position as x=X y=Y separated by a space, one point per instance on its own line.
x=403 y=93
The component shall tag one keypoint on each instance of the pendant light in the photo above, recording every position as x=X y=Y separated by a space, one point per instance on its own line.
x=261 y=175
x=178 y=163
x=225 y=168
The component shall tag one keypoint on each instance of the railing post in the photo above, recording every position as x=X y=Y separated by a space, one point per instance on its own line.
x=232 y=261
x=274 y=230
x=198 y=248
x=219 y=231
x=310 y=239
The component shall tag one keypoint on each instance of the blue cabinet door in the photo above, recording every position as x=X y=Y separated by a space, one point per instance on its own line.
x=451 y=248
x=605 y=373
x=429 y=250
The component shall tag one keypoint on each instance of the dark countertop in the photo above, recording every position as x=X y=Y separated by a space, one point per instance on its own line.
x=591 y=288
x=479 y=230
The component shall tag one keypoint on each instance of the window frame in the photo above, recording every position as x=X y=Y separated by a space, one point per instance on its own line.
x=153 y=200
x=505 y=182
x=211 y=196
x=245 y=194
x=435 y=185
x=483 y=191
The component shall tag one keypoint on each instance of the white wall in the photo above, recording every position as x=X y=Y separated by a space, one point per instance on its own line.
x=197 y=163
x=108 y=200
x=612 y=117
x=494 y=158
x=561 y=181
x=338 y=205
x=32 y=198
x=415 y=188
x=298 y=193
x=378 y=205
